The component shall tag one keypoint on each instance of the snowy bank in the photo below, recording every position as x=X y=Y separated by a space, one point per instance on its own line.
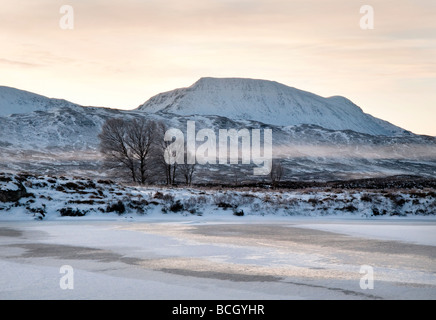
x=49 y=197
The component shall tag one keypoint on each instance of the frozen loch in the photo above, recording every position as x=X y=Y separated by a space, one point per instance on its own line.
x=219 y=257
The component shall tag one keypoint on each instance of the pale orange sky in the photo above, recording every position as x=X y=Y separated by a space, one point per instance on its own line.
x=122 y=52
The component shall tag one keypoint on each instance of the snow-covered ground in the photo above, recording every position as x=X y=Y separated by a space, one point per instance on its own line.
x=221 y=257
x=27 y=197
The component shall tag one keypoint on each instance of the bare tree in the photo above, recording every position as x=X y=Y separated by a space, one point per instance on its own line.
x=236 y=174
x=170 y=169
x=128 y=144
x=277 y=171
x=140 y=139
x=114 y=147
x=161 y=153
x=187 y=171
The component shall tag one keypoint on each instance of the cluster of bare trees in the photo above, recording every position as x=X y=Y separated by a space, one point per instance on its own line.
x=136 y=147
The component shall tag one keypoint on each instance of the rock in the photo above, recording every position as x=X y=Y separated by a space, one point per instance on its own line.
x=239 y=213
x=12 y=191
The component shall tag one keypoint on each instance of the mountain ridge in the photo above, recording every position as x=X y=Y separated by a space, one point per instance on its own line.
x=17 y=101
x=269 y=102
x=265 y=101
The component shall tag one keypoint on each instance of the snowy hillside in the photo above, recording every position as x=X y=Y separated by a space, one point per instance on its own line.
x=268 y=102
x=60 y=127
x=38 y=134
x=14 y=101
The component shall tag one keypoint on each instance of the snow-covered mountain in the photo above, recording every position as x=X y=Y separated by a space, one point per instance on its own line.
x=268 y=102
x=332 y=139
x=14 y=101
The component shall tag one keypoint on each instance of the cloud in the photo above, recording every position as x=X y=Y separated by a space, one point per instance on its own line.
x=18 y=63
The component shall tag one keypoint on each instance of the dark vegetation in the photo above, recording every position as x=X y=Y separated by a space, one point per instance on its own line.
x=393 y=182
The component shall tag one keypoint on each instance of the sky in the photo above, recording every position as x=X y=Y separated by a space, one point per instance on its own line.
x=122 y=52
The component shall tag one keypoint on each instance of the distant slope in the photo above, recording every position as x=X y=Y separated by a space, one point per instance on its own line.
x=268 y=102
x=14 y=101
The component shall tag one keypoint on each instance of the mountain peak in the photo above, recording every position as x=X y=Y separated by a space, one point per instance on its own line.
x=236 y=83
x=268 y=102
